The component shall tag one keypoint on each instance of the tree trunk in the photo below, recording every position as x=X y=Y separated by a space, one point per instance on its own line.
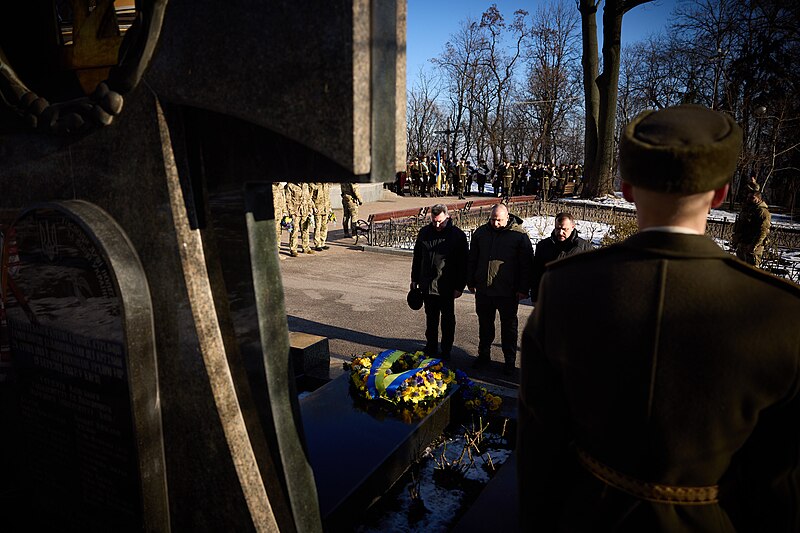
x=590 y=60
x=601 y=91
x=608 y=86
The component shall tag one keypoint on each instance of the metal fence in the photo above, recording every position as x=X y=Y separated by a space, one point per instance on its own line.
x=402 y=232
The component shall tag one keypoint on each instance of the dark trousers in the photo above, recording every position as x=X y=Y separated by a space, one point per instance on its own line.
x=487 y=308
x=435 y=306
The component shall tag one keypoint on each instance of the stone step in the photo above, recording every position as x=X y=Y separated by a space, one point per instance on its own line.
x=358 y=455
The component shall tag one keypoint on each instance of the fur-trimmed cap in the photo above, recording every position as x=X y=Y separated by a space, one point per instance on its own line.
x=686 y=149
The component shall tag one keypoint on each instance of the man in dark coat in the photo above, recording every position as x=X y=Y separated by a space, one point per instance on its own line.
x=564 y=241
x=439 y=270
x=500 y=261
x=676 y=408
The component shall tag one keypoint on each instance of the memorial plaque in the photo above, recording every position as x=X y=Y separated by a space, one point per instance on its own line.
x=84 y=415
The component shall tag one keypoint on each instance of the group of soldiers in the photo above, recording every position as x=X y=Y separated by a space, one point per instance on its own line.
x=298 y=205
x=432 y=177
x=428 y=176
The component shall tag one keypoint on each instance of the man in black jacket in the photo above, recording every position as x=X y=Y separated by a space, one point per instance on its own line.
x=500 y=259
x=439 y=270
x=564 y=241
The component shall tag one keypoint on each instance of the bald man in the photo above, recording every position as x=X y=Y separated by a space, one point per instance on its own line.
x=498 y=272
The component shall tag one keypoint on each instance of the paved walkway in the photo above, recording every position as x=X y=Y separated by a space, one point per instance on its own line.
x=357 y=299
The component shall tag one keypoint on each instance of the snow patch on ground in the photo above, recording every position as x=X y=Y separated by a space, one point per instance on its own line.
x=442 y=504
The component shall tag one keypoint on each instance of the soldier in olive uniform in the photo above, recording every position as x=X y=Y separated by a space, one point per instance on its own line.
x=351 y=199
x=676 y=408
x=461 y=178
x=424 y=172
x=321 y=206
x=298 y=204
x=751 y=228
x=508 y=178
x=279 y=208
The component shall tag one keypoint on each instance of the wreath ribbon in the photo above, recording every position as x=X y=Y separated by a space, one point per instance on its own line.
x=378 y=382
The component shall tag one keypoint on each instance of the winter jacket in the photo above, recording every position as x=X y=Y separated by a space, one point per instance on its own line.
x=551 y=249
x=500 y=261
x=440 y=260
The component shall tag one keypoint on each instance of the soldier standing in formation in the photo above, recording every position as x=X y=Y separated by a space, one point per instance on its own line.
x=751 y=228
x=351 y=199
x=677 y=407
x=424 y=181
x=298 y=204
x=321 y=203
x=461 y=178
x=545 y=182
x=279 y=208
x=415 y=173
x=483 y=173
x=508 y=171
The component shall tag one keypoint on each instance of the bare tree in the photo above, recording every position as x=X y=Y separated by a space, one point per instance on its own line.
x=501 y=65
x=551 y=83
x=423 y=116
x=708 y=35
x=460 y=63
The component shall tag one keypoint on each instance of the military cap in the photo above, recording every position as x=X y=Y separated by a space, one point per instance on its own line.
x=415 y=299
x=685 y=149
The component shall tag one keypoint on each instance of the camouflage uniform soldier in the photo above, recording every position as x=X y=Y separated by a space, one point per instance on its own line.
x=321 y=203
x=423 y=177
x=508 y=178
x=461 y=178
x=545 y=184
x=751 y=227
x=298 y=204
x=351 y=199
x=279 y=208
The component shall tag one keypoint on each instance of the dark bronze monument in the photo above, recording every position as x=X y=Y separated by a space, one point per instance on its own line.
x=149 y=384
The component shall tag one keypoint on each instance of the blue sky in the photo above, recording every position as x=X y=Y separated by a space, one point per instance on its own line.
x=431 y=22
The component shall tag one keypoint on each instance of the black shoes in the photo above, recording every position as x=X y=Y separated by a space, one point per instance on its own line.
x=508 y=368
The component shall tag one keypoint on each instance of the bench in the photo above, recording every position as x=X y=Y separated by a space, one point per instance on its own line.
x=363 y=227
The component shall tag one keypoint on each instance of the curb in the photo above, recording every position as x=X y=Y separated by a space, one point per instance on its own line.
x=384 y=250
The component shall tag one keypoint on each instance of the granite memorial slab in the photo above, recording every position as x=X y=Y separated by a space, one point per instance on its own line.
x=85 y=431
x=357 y=451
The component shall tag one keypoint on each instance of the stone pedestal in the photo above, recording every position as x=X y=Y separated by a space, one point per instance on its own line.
x=310 y=354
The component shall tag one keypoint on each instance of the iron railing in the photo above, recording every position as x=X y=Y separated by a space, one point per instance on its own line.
x=402 y=232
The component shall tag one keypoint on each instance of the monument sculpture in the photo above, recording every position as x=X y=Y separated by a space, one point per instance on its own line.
x=149 y=384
